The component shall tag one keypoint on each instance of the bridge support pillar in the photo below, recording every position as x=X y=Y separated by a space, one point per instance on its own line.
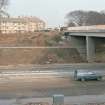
x=90 y=48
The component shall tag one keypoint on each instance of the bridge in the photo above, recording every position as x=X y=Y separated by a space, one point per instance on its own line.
x=86 y=39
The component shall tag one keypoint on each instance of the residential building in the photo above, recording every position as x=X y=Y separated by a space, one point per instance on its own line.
x=21 y=25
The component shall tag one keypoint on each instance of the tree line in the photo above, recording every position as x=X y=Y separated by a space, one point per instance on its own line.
x=85 y=18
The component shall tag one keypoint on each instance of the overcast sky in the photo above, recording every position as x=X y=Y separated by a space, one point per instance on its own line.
x=52 y=11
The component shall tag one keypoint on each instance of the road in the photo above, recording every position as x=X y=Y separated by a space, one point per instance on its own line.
x=64 y=70
x=44 y=81
x=74 y=100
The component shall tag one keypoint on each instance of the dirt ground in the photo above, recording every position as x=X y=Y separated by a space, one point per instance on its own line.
x=20 y=83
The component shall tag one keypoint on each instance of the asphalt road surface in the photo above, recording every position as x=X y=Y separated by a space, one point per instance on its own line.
x=45 y=81
x=74 y=100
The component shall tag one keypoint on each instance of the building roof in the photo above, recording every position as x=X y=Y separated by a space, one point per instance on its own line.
x=33 y=19
x=22 y=20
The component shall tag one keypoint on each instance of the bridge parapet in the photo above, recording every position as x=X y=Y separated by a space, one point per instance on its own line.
x=94 y=28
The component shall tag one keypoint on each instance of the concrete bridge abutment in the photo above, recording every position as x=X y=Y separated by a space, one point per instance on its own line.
x=80 y=44
x=85 y=46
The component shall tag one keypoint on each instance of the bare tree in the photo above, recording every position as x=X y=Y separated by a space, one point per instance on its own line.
x=72 y=24
x=95 y=18
x=3 y=4
x=77 y=17
x=83 y=18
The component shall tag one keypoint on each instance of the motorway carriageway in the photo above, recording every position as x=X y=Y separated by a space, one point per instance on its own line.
x=55 y=73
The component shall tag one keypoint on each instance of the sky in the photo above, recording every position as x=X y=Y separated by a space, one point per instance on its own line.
x=53 y=12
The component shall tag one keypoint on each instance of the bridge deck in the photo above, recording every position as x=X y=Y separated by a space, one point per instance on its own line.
x=95 y=31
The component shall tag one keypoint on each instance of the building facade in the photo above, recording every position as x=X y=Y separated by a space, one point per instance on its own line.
x=21 y=25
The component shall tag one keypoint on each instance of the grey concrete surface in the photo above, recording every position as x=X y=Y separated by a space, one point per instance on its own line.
x=80 y=44
x=90 y=45
x=73 y=100
x=89 y=42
